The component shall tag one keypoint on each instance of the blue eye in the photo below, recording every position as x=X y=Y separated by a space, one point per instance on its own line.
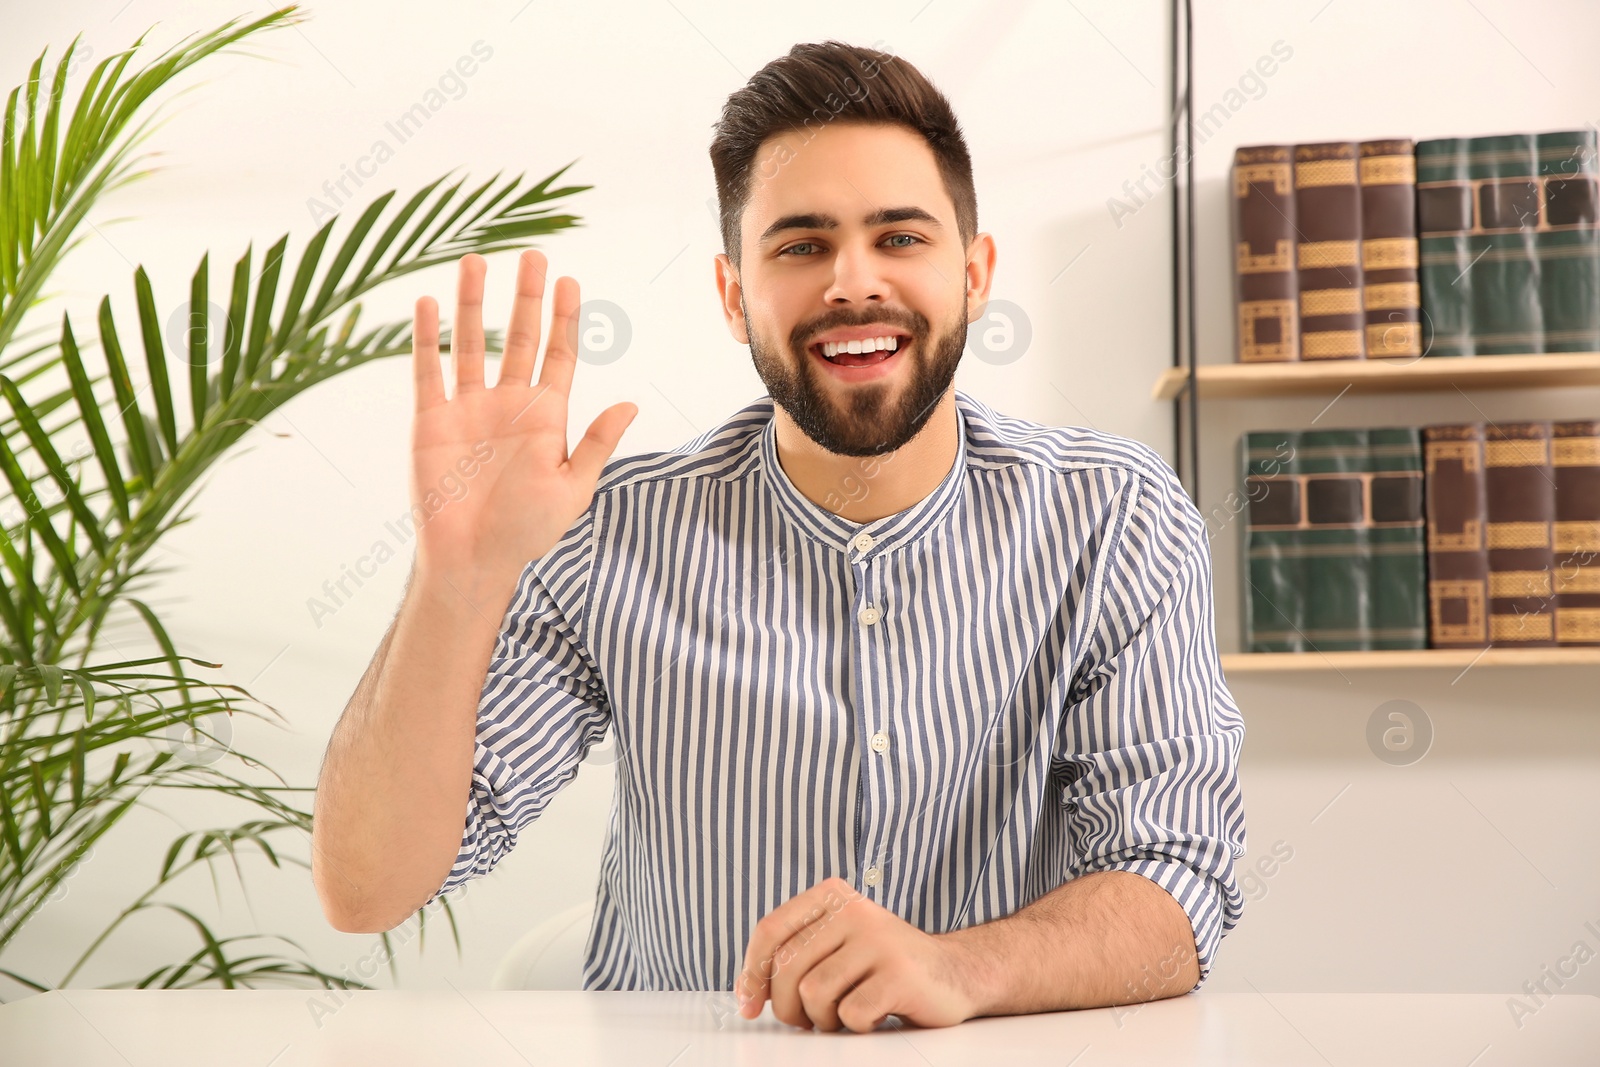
x=911 y=238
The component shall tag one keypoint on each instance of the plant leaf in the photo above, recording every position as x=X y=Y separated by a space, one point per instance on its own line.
x=155 y=357
x=89 y=409
x=198 y=336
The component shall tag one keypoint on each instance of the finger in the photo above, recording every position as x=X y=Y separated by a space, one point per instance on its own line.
x=561 y=351
x=830 y=979
x=588 y=460
x=799 y=957
x=466 y=338
x=427 y=379
x=522 y=338
x=864 y=1008
x=755 y=971
x=777 y=927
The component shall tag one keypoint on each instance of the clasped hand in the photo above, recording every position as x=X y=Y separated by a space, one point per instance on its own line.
x=832 y=958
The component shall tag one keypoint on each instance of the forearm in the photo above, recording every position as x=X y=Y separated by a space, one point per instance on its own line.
x=1105 y=938
x=393 y=788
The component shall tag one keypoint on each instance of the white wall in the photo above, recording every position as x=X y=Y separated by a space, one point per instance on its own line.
x=1469 y=870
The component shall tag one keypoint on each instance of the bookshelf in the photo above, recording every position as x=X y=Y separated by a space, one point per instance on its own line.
x=1247 y=381
x=1376 y=377
x=1221 y=380
x=1381 y=377
x=1186 y=383
x=1457 y=659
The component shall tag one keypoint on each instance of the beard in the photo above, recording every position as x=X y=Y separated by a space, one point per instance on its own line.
x=865 y=418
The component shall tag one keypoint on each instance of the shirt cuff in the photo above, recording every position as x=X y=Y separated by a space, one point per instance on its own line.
x=488 y=833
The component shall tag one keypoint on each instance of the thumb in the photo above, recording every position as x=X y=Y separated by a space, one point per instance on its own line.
x=588 y=460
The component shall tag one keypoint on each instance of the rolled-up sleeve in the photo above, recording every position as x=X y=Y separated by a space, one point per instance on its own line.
x=542 y=708
x=1150 y=745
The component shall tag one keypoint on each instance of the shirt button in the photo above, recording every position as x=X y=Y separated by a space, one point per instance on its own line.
x=872 y=876
x=869 y=615
x=880 y=742
x=863 y=541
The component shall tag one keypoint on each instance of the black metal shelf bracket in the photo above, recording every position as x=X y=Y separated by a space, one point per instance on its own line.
x=1183 y=253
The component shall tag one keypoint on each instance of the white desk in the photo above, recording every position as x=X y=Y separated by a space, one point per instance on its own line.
x=280 y=1028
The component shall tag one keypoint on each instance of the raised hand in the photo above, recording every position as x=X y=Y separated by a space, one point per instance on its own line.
x=492 y=483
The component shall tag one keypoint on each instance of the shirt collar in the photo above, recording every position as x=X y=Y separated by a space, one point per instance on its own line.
x=887 y=533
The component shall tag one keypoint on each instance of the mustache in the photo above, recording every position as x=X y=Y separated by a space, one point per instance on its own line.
x=911 y=322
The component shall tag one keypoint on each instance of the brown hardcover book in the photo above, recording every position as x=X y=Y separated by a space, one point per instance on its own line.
x=1327 y=206
x=1521 y=492
x=1390 y=296
x=1264 y=289
x=1575 y=454
x=1458 y=549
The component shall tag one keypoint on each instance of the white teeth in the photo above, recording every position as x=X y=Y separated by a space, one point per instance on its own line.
x=888 y=343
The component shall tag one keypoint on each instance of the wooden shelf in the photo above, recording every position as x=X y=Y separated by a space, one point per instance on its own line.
x=1384 y=375
x=1408 y=659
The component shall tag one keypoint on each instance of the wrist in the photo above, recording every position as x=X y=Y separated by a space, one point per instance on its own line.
x=977 y=968
x=470 y=597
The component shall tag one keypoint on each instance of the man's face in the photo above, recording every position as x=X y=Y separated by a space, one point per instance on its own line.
x=850 y=234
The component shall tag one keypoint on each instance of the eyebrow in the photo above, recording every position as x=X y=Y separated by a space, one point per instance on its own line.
x=820 y=221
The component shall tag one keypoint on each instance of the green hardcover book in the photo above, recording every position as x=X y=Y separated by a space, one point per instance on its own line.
x=1507 y=317
x=1272 y=600
x=1568 y=242
x=1444 y=222
x=1399 y=551
x=1335 y=540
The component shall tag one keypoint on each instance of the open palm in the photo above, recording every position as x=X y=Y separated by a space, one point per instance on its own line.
x=492 y=483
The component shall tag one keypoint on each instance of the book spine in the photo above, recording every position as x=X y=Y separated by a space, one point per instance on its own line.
x=1272 y=602
x=1575 y=454
x=1390 y=297
x=1399 y=567
x=1335 y=541
x=1568 y=241
x=1265 y=291
x=1506 y=315
x=1520 y=483
x=1327 y=257
x=1444 y=222
x=1456 y=506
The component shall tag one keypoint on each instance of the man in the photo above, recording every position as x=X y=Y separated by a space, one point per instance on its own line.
x=918 y=705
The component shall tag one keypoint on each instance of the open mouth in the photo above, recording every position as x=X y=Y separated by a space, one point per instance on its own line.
x=863 y=353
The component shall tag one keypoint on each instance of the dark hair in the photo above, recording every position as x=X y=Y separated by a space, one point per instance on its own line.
x=816 y=84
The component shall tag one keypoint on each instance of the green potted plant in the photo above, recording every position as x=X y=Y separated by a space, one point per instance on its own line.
x=103 y=435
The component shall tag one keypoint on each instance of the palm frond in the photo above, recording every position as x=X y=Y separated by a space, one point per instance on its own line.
x=53 y=172
x=103 y=446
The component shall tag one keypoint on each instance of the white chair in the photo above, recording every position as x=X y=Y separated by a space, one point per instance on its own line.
x=550 y=956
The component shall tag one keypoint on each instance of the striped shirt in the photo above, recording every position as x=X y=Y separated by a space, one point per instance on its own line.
x=956 y=708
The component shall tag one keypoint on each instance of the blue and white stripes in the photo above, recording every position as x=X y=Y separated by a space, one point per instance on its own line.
x=956 y=707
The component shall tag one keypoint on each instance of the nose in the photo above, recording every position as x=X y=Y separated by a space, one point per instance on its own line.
x=857 y=276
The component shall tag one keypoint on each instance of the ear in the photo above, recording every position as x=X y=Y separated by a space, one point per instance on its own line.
x=728 y=288
x=980 y=273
